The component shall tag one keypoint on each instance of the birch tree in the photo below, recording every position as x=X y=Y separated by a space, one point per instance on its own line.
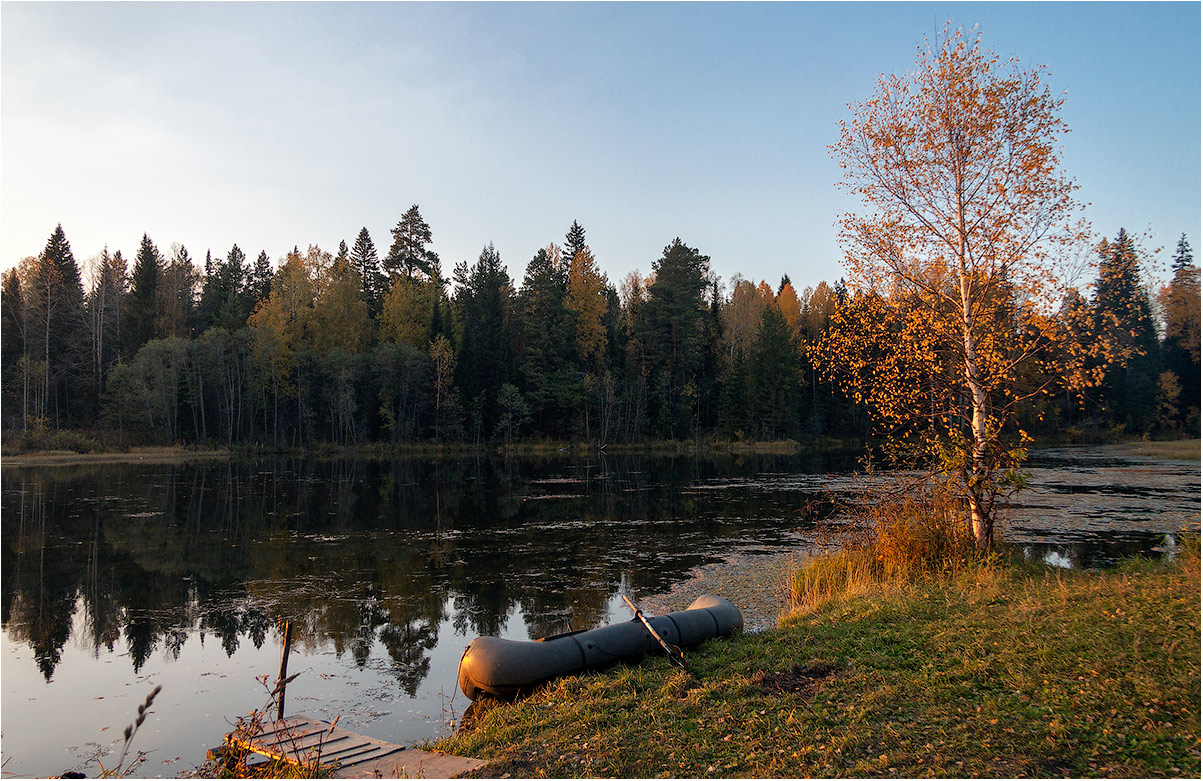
x=957 y=258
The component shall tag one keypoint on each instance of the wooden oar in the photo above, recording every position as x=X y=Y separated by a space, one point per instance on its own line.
x=675 y=654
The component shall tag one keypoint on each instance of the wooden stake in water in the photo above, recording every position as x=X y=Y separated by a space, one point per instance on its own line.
x=282 y=681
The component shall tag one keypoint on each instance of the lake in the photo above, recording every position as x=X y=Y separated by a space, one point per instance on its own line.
x=120 y=577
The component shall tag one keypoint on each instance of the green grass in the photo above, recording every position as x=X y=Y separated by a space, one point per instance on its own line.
x=998 y=670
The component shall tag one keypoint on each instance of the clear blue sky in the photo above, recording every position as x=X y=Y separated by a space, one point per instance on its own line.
x=277 y=124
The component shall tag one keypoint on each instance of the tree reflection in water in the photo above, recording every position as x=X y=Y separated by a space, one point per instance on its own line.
x=358 y=552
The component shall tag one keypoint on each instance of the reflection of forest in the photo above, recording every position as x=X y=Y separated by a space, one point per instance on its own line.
x=356 y=552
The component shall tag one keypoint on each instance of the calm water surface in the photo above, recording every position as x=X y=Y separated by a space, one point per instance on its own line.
x=120 y=577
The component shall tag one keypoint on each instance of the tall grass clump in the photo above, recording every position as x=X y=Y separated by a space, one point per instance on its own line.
x=900 y=539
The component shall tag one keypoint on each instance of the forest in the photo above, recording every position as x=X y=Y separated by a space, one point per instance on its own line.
x=367 y=347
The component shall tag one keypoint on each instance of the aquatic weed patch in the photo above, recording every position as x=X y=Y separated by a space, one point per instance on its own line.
x=1017 y=672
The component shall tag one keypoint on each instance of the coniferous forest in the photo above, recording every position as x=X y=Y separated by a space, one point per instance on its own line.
x=376 y=345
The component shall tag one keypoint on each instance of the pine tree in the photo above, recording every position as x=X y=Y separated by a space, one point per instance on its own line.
x=409 y=253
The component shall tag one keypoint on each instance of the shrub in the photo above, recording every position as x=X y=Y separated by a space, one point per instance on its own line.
x=40 y=437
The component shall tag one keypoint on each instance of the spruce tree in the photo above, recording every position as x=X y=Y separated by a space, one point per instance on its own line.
x=12 y=332
x=708 y=390
x=260 y=283
x=177 y=294
x=574 y=242
x=549 y=379
x=235 y=304
x=140 y=305
x=486 y=354
x=672 y=332
x=12 y=349
x=58 y=252
x=60 y=304
x=366 y=263
x=1180 y=308
x=1183 y=257
x=1122 y=313
x=211 y=295
x=776 y=378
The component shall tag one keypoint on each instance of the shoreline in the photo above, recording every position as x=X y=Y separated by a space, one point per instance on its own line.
x=150 y=455
x=756 y=583
x=168 y=454
x=1178 y=450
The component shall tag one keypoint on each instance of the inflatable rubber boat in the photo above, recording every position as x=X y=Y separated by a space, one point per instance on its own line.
x=506 y=668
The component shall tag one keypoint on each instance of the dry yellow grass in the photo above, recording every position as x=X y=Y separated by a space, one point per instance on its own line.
x=1180 y=449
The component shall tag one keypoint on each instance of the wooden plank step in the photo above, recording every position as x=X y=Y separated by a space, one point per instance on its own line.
x=302 y=740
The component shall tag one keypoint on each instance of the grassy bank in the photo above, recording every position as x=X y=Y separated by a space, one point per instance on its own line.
x=1000 y=670
x=1117 y=441
x=1180 y=449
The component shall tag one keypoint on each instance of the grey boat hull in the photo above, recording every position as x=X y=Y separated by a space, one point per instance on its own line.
x=507 y=668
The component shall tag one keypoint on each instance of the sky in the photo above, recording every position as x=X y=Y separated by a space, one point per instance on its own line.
x=271 y=125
